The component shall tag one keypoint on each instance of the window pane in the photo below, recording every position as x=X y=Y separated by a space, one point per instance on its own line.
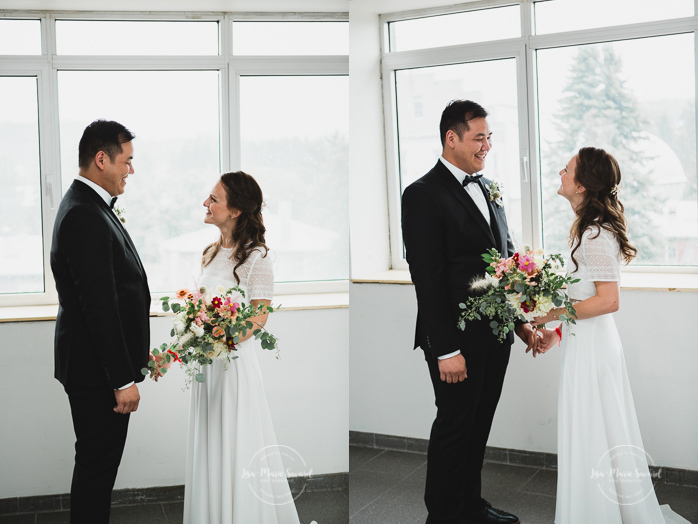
x=445 y=30
x=600 y=95
x=422 y=95
x=20 y=37
x=174 y=115
x=90 y=37
x=571 y=15
x=290 y=38
x=21 y=243
x=294 y=142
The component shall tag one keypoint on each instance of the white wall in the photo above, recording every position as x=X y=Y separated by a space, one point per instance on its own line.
x=391 y=392
x=307 y=389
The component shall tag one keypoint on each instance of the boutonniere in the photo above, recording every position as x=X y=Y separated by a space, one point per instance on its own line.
x=494 y=190
x=120 y=214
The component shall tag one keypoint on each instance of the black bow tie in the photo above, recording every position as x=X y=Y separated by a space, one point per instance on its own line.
x=470 y=178
x=114 y=199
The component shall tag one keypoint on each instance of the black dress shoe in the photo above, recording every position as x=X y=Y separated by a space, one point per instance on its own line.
x=490 y=515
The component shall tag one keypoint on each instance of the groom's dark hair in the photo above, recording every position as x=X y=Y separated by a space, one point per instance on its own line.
x=102 y=135
x=457 y=115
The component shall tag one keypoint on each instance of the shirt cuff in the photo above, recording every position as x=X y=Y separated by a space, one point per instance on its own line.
x=444 y=357
x=126 y=386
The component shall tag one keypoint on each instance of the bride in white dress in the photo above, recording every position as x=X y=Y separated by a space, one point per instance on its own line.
x=234 y=472
x=603 y=475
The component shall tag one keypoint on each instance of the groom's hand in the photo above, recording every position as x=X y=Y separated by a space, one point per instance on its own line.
x=127 y=400
x=529 y=336
x=453 y=369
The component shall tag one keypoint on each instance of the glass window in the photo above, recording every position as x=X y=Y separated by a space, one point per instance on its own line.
x=572 y=15
x=101 y=37
x=294 y=142
x=455 y=29
x=603 y=95
x=175 y=117
x=21 y=240
x=290 y=38
x=20 y=37
x=422 y=95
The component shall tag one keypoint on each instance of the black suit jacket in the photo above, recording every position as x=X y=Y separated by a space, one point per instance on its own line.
x=102 y=329
x=445 y=236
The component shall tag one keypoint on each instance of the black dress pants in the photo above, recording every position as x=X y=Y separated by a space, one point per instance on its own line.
x=100 y=437
x=459 y=434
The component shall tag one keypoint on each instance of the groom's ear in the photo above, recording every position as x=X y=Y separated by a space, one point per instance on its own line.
x=100 y=159
x=450 y=138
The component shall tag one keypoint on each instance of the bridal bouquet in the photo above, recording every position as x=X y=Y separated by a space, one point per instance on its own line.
x=207 y=327
x=521 y=287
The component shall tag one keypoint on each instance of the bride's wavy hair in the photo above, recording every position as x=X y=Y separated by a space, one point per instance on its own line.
x=599 y=173
x=244 y=194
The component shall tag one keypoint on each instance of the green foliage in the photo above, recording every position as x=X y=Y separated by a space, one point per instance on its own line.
x=531 y=291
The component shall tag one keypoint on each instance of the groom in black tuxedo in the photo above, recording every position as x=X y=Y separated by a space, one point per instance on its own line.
x=102 y=329
x=448 y=222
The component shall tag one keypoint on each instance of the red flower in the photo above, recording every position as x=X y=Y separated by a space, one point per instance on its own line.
x=216 y=302
x=230 y=343
x=528 y=306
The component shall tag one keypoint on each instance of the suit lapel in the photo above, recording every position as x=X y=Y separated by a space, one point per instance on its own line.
x=494 y=218
x=85 y=189
x=457 y=190
x=121 y=227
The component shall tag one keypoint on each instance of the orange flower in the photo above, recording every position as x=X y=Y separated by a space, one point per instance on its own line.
x=182 y=293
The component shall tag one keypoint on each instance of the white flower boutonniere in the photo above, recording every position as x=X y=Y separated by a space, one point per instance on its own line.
x=120 y=214
x=494 y=190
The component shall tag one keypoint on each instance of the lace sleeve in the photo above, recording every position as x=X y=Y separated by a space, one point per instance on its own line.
x=261 y=278
x=601 y=255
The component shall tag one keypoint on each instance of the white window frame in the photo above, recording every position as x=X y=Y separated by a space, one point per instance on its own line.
x=230 y=67
x=524 y=50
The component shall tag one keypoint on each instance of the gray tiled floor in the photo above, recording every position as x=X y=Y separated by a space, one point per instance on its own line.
x=324 y=507
x=387 y=487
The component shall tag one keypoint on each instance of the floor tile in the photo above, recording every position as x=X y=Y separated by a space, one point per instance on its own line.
x=174 y=512
x=360 y=456
x=400 y=464
x=58 y=517
x=367 y=486
x=683 y=500
x=378 y=513
x=544 y=482
x=140 y=514
x=323 y=507
x=530 y=508
x=17 y=519
x=504 y=479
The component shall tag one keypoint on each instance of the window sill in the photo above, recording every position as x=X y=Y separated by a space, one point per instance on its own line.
x=630 y=281
x=282 y=302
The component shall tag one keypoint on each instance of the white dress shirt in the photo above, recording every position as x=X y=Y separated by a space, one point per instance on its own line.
x=478 y=197
x=104 y=194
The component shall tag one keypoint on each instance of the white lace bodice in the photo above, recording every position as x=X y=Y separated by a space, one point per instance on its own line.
x=598 y=258
x=256 y=274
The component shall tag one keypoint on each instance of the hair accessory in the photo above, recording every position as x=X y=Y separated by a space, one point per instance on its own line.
x=614 y=191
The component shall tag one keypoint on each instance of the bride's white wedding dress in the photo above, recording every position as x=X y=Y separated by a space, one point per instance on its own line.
x=234 y=473
x=602 y=468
